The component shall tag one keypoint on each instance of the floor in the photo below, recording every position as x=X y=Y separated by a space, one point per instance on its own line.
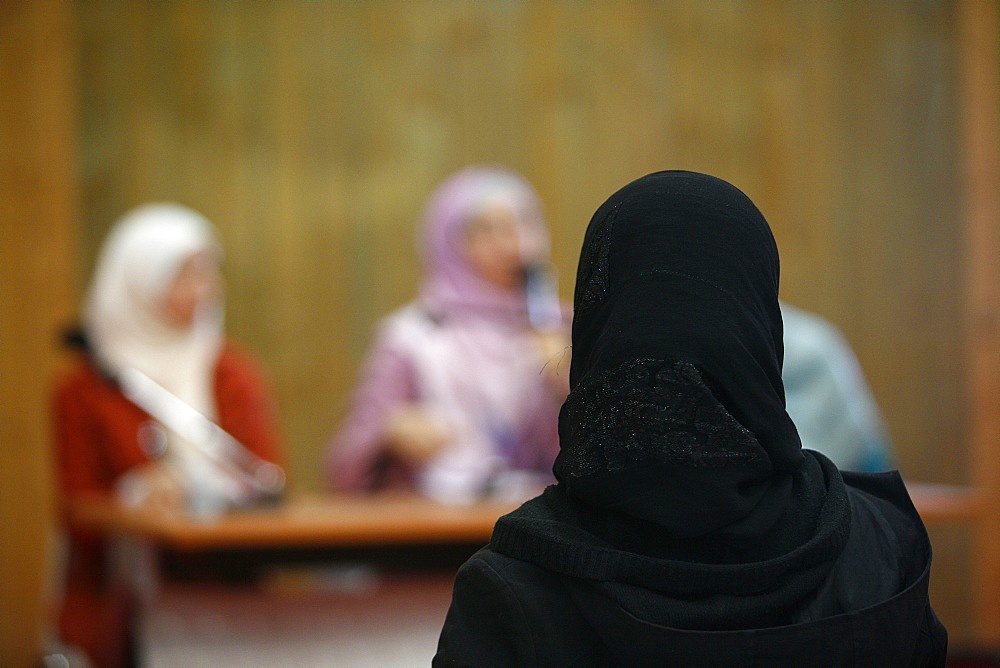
x=353 y=616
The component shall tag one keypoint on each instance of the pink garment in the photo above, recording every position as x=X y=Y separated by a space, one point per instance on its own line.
x=464 y=351
x=451 y=287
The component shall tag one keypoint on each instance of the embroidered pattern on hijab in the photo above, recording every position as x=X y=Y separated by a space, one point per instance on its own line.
x=592 y=282
x=652 y=411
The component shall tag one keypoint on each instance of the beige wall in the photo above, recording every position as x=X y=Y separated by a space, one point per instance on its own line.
x=311 y=132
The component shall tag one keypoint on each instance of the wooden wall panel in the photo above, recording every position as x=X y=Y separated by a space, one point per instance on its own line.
x=311 y=132
x=38 y=208
x=978 y=26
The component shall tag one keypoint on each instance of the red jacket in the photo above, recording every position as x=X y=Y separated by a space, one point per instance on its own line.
x=96 y=442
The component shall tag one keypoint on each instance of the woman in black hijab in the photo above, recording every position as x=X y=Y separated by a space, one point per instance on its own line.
x=688 y=525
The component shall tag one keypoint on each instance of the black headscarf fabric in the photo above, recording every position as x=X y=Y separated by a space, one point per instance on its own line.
x=685 y=502
x=676 y=415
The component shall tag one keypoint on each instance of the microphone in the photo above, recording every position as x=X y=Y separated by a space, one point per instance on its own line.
x=542 y=297
x=265 y=479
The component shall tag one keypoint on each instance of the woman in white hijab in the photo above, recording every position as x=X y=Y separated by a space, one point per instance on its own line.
x=154 y=311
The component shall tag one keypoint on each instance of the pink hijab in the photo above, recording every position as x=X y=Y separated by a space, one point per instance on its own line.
x=475 y=369
x=451 y=286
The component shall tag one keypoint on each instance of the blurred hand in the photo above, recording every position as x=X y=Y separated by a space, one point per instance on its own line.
x=414 y=434
x=554 y=351
x=153 y=485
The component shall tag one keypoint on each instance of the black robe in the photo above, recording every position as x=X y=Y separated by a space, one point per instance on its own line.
x=870 y=609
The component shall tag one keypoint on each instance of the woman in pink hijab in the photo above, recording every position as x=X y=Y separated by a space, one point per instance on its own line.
x=460 y=393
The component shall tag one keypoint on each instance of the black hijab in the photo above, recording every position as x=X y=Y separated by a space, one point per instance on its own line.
x=676 y=416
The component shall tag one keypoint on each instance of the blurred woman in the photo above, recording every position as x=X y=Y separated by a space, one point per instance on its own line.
x=828 y=396
x=154 y=310
x=461 y=390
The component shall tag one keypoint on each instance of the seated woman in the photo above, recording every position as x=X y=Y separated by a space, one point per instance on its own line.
x=462 y=387
x=827 y=396
x=153 y=310
x=688 y=526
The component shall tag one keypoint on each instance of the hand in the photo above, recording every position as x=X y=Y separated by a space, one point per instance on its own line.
x=414 y=434
x=153 y=485
x=554 y=351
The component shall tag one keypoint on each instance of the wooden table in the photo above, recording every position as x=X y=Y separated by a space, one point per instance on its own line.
x=939 y=504
x=275 y=585
x=398 y=519
x=300 y=521
x=263 y=623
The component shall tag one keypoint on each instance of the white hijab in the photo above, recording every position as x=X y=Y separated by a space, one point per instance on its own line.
x=124 y=314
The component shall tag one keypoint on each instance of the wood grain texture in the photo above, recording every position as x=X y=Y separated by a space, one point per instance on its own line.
x=38 y=218
x=979 y=24
x=313 y=132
